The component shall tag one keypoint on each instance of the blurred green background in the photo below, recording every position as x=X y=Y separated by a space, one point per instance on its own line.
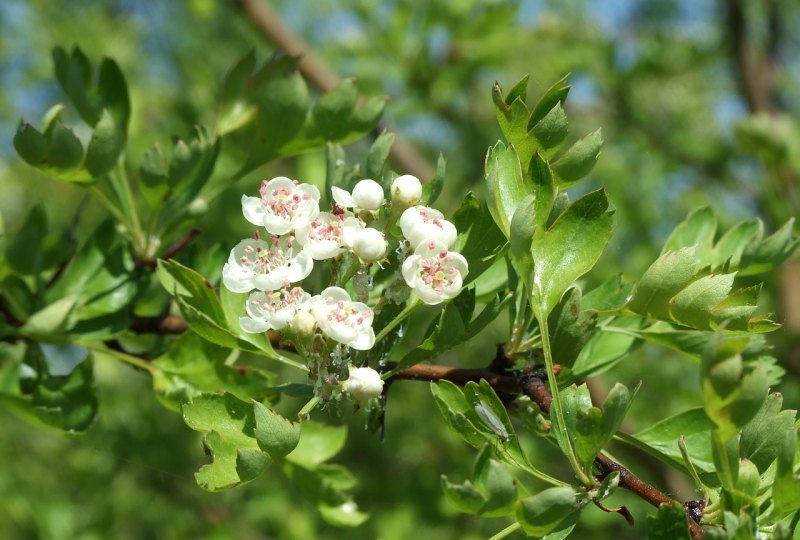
x=697 y=100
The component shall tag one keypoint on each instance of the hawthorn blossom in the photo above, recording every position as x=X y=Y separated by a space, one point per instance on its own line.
x=368 y=244
x=273 y=309
x=347 y=322
x=435 y=273
x=423 y=224
x=284 y=205
x=406 y=190
x=324 y=237
x=367 y=194
x=363 y=383
x=256 y=264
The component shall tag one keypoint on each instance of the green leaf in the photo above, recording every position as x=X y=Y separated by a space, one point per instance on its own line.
x=606 y=348
x=50 y=322
x=229 y=425
x=542 y=513
x=732 y=395
x=554 y=96
x=318 y=443
x=431 y=190
x=540 y=177
x=727 y=252
x=498 y=485
x=591 y=427
x=275 y=434
x=694 y=425
x=24 y=248
x=520 y=238
x=697 y=231
x=551 y=130
x=205 y=313
x=570 y=328
x=105 y=146
x=465 y=497
x=693 y=306
x=670 y=523
x=455 y=409
x=786 y=488
x=507 y=188
x=665 y=278
x=578 y=160
x=479 y=240
x=61 y=385
x=375 y=163
x=236 y=107
x=446 y=331
x=568 y=249
x=193 y=366
x=57 y=152
x=760 y=257
x=763 y=436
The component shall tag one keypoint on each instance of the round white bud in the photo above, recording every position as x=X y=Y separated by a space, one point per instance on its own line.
x=369 y=245
x=368 y=194
x=364 y=383
x=303 y=323
x=406 y=190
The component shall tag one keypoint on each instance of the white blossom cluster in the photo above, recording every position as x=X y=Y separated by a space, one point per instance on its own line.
x=270 y=267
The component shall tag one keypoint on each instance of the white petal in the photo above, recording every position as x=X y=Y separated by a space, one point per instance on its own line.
x=281 y=318
x=253 y=326
x=309 y=189
x=409 y=269
x=300 y=267
x=342 y=333
x=272 y=281
x=253 y=210
x=364 y=340
x=342 y=197
x=275 y=224
x=279 y=182
x=428 y=295
x=237 y=279
x=323 y=249
x=335 y=293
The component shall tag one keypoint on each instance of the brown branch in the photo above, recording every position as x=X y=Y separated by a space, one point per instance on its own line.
x=532 y=384
x=317 y=73
x=756 y=69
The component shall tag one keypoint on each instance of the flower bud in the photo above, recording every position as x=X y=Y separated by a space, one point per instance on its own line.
x=368 y=194
x=364 y=383
x=369 y=245
x=406 y=190
x=303 y=323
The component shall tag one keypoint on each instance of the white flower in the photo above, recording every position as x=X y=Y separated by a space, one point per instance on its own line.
x=345 y=321
x=369 y=245
x=434 y=273
x=406 y=190
x=273 y=309
x=303 y=323
x=422 y=224
x=367 y=194
x=256 y=264
x=364 y=383
x=324 y=237
x=283 y=206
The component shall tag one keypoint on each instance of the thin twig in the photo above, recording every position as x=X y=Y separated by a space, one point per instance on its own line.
x=317 y=73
